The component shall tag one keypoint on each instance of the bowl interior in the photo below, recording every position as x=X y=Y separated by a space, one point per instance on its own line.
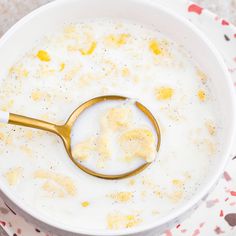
x=49 y=18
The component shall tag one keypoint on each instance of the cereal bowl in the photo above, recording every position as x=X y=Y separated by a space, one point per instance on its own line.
x=25 y=34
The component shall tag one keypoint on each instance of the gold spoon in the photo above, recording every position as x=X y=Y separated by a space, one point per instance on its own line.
x=64 y=131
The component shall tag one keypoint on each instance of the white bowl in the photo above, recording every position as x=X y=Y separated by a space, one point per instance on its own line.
x=23 y=35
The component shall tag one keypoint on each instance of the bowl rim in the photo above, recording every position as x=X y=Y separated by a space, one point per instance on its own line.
x=179 y=211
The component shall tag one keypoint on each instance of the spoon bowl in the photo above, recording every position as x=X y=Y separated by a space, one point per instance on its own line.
x=64 y=131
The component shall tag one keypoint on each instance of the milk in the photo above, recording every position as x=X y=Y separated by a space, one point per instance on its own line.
x=89 y=124
x=94 y=58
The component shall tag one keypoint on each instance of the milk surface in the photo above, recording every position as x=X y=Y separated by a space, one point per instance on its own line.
x=89 y=125
x=94 y=58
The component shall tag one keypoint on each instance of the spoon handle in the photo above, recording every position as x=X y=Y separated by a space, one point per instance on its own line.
x=10 y=118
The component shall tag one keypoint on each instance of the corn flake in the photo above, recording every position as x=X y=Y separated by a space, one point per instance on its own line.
x=117 y=40
x=139 y=143
x=201 y=95
x=122 y=196
x=13 y=175
x=63 y=181
x=117 y=220
x=90 y=50
x=85 y=204
x=43 y=56
x=154 y=47
x=164 y=93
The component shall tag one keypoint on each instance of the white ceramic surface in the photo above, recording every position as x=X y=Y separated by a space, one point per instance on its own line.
x=53 y=15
